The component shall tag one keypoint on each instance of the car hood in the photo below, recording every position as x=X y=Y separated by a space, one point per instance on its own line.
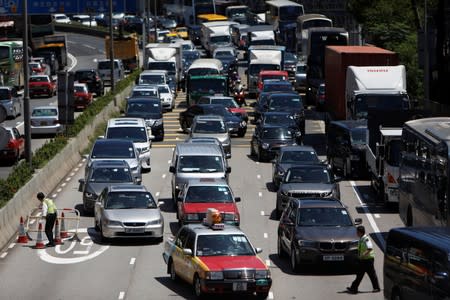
x=286 y=166
x=307 y=187
x=279 y=141
x=144 y=115
x=203 y=207
x=98 y=187
x=223 y=138
x=133 y=215
x=327 y=233
x=215 y=263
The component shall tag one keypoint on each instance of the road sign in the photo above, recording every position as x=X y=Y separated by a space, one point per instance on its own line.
x=15 y=7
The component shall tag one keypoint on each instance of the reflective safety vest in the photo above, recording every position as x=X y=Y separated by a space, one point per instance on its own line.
x=51 y=207
x=362 y=248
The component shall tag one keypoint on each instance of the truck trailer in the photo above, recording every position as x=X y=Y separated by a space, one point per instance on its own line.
x=126 y=48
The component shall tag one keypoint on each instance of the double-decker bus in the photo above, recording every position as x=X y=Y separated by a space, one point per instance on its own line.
x=187 y=10
x=11 y=63
x=424 y=172
x=309 y=21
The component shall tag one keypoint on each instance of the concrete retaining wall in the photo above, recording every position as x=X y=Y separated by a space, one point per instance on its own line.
x=46 y=179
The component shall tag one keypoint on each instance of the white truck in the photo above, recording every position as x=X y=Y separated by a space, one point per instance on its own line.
x=378 y=87
x=165 y=56
x=216 y=34
x=262 y=58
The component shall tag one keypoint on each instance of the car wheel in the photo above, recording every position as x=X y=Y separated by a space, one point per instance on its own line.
x=396 y=295
x=173 y=274
x=280 y=251
x=241 y=132
x=259 y=157
x=198 y=287
x=294 y=262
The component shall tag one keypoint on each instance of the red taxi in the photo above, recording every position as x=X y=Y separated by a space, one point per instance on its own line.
x=15 y=145
x=41 y=85
x=217 y=259
x=36 y=67
x=268 y=74
x=228 y=102
x=82 y=97
x=200 y=194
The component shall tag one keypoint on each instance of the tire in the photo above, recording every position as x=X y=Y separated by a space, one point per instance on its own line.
x=96 y=227
x=259 y=156
x=280 y=251
x=396 y=295
x=252 y=151
x=241 y=133
x=173 y=274
x=197 y=288
x=294 y=262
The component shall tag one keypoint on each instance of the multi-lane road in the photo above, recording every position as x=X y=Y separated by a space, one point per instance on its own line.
x=135 y=269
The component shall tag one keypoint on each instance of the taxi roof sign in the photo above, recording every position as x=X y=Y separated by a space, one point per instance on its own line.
x=213 y=219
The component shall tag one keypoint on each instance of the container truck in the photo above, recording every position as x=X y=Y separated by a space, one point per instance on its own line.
x=126 y=48
x=337 y=61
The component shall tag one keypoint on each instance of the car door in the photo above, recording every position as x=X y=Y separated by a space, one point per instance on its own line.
x=16 y=101
x=188 y=261
x=177 y=254
x=284 y=230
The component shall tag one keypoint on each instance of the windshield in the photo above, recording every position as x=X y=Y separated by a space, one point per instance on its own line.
x=4 y=94
x=129 y=200
x=135 y=134
x=220 y=39
x=227 y=102
x=151 y=79
x=299 y=157
x=163 y=90
x=262 y=42
x=277 y=87
x=224 y=54
x=4 y=52
x=144 y=93
x=208 y=194
x=107 y=150
x=254 y=69
x=301 y=69
x=203 y=71
x=224 y=245
x=358 y=135
x=280 y=102
x=237 y=12
x=324 y=216
x=190 y=55
x=277 y=133
x=379 y=102
x=200 y=164
x=279 y=119
x=208 y=85
x=80 y=89
x=278 y=77
x=111 y=175
x=201 y=126
x=307 y=175
x=39 y=79
x=144 y=107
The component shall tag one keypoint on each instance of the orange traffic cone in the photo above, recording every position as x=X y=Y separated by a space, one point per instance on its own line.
x=57 y=239
x=39 y=240
x=23 y=238
x=64 y=233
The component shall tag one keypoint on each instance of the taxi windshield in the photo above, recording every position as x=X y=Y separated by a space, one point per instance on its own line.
x=224 y=245
x=202 y=194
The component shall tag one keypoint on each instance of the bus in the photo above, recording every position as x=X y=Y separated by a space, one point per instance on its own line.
x=309 y=21
x=11 y=63
x=199 y=86
x=424 y=172
x=186 y=11
x=282 y=14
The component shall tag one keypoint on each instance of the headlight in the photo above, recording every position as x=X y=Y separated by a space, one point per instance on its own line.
x=228 y=217
x=149 y=123
x=145 y=149
x=216 y=275
x=90 y=195
x=265 y=146
x=192 y=217
x=155 y=222
x=326 y=194
x=262 y=274
x=113 y=223
x=158 y=122
x=134 y=170
x=242 y=124
x=310 y=244
x=284 y=193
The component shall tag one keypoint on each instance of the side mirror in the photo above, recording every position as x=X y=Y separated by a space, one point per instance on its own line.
x=187 y=251
x=237 y=199
x=228 y=170
x=81 y=186
x=172 y=169
x=138 y=180
x=151 y=137
x=101 y=136
x=258 y=250
x=358 y=221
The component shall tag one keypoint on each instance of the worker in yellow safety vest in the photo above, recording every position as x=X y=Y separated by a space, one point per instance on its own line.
x=49 y=212
x=366 y=258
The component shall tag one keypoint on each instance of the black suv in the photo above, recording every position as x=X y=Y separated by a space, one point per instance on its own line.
x=92 y=79
x=346 y=142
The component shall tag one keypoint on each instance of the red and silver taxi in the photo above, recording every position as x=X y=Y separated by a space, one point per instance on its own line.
x=42 y=85
x=217 y=259
x=198 y=195
x=15 y=145
x=82 y=97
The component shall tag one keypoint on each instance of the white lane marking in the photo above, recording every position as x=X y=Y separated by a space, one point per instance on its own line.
x=80 y=164
x=68 y=179
x=3 y=254
x=11 y=245
x=164 y=175
x=54 y=195
x=260 y=194
x=121 y=295
x=157 y=194
x=257 y=162
x=169 y=161
x=268 y=262
x=72 y=174
x=63 y=184
x=262 y=213
x=74 y=61
x=266 y=235
x=369 y=215
x=132 y=260
x=258 y=176
x=377 y=216
x=270 y=295
x=32 y=221
x=81 y=252
x=84 y=159
x=89 y=46
x=59 y=190
x=19 y=124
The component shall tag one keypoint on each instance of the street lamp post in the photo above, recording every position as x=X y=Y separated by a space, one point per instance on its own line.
x=111 y=44
x=26 y=92
x=426 y=67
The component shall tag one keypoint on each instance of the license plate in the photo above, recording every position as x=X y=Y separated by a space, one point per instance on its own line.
x=239 y=286
x=134 y=230
x=333 y=257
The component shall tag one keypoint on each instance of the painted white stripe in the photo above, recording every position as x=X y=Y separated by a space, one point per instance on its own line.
x=257 y=162
x=83 y=252
x=3 y=254
x=268 y=262
x=80 y=164
x=164 y=175
x=270 y=295
x=121 y=295
x=83 y=160
x=59 y=190
x=68 y=179
x=372 y=222
x=132 y=260
x=76 y=169
x=157 y=194
x=63 y=184
x=260 y=194
x=258 y=176
x=262 y=213
x=377 y=216
x=11 y=245
x=88 y=46
x=266 y=235
x=54 y=195
x=72 y=174
x=169 y=161
x=32 y=221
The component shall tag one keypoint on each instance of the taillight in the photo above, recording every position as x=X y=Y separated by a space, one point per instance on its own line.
x=391 y=179
x=10 y=144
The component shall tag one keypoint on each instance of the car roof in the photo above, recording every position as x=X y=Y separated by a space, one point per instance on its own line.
x=126 y=122
x=127 y=188
x=439 y=237
x=216 y=97
x=284 y=94
x=199 y=149
x=317 y=202
x=45 y=107
x=143 y=87
x=109 y=163
x=297 y=148
x=79 y=84
x=86 y=70
x=201 y=229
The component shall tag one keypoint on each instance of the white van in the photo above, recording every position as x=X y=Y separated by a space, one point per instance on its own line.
x=133 y=129
x=104 y=70
x=153 y=77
